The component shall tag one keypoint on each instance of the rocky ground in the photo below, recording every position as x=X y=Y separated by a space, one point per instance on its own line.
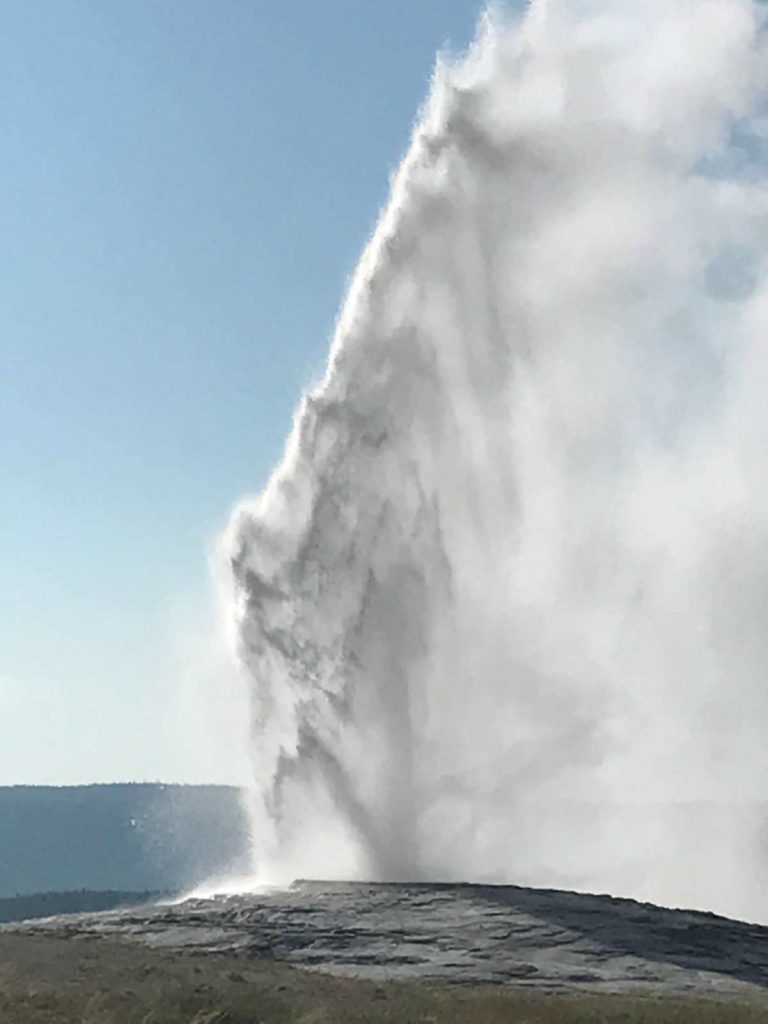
x=539 y=940
x=52 y=979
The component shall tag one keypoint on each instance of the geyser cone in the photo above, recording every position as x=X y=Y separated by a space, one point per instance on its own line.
x=511 y=574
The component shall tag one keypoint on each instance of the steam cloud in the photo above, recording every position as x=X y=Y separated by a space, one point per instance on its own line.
x=503 y=606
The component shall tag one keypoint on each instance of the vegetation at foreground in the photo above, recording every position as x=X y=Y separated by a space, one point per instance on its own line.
x=99 y=981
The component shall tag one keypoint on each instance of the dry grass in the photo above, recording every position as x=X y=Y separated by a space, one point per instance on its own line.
x=97 y=981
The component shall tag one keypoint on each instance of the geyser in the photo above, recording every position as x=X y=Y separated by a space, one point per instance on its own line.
x=503 y=606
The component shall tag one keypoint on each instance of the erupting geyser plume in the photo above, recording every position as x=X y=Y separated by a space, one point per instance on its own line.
x=504 y=603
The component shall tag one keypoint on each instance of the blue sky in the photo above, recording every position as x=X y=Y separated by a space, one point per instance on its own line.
x=184 y=189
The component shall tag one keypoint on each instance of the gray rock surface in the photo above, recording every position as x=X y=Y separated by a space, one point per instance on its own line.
x=456 y=933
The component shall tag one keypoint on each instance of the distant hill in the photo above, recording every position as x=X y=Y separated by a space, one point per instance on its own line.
x=126 y=837
x=50 y=904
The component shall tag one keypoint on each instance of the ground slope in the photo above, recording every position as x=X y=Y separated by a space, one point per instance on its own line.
x=77 y=981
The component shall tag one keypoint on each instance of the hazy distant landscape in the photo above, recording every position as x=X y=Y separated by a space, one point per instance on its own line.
x=122 y=838
x=81 y=901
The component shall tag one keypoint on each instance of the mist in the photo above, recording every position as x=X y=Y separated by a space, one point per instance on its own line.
x=502 y=609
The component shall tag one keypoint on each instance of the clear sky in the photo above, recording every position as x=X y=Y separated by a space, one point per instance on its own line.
x=185 y=187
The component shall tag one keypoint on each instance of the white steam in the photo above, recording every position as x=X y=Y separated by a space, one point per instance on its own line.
x=503 y=607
